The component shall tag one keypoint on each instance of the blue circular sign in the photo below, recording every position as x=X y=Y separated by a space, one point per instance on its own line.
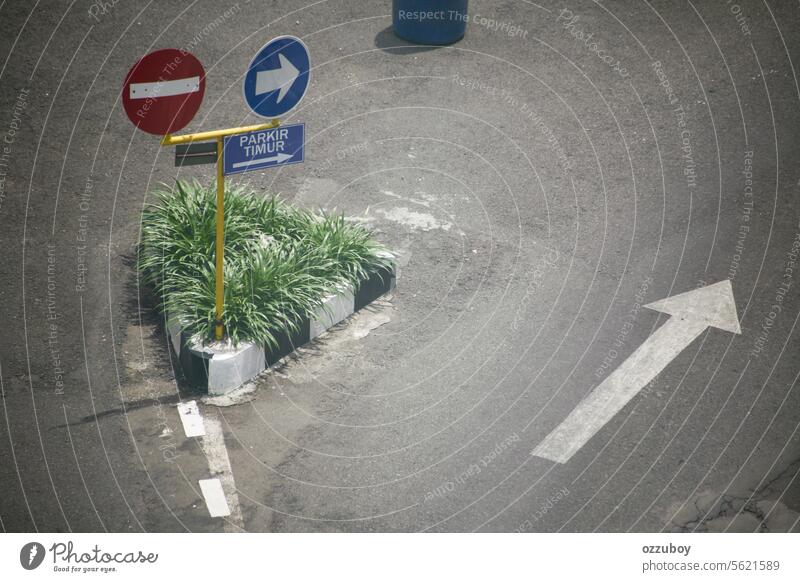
x=277 y=77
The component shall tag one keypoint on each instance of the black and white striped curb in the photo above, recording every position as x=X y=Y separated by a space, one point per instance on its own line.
x=220 y=369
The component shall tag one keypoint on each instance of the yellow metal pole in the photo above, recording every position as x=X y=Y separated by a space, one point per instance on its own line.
x=217 y=133
x=220 y=242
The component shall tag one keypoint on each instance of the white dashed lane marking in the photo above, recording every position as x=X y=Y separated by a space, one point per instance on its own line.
x=215 y=497
x=191 y=419
x=219 y=491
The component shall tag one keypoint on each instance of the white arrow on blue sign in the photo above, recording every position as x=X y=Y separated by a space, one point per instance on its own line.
x=277 y=77
x=265 y=148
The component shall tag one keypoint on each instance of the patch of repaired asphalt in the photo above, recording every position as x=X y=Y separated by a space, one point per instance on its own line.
x=414 y=220
x=241 y=395
x=762 y=510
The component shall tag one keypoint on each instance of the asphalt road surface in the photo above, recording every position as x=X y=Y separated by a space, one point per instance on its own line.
x=540 y=181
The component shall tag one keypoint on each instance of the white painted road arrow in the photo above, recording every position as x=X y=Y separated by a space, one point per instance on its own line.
x=692 y=312
x=281 y=78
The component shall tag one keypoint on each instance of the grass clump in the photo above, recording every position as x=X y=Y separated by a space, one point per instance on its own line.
x=280 y=261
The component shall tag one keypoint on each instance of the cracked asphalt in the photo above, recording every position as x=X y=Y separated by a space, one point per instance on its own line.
x=538 y=187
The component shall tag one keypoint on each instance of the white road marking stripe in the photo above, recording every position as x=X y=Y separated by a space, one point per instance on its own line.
x=164 y=88
x=191 y=419
x=215 y=497
x=219 y=464
x=219 y=491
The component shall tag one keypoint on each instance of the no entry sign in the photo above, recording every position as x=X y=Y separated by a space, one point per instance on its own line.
x=163 y=91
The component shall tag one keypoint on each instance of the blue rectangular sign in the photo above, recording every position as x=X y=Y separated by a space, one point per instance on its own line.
x=279 y=146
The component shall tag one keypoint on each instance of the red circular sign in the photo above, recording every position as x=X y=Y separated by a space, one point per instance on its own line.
x=163 y=91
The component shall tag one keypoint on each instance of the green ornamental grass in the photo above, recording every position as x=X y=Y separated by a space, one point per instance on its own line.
x=280 y=261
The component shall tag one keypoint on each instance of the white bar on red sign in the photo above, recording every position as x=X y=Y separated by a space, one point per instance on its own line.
x=165 y=88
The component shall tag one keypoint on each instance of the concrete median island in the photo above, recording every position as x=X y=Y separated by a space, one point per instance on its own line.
x=289 y=275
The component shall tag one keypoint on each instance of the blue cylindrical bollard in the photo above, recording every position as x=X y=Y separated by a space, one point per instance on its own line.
x=430 y=21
